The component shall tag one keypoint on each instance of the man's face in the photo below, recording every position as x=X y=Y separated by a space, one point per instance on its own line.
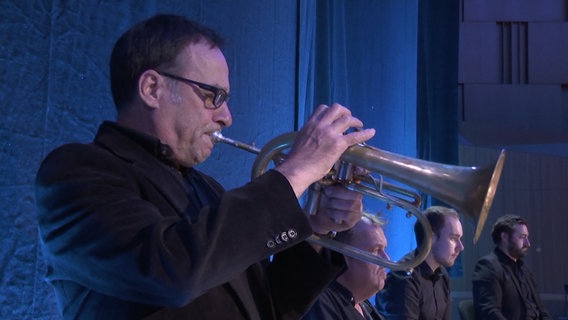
x=364 y=279
x=447 y=246
x=187 y=119
x=517 y=244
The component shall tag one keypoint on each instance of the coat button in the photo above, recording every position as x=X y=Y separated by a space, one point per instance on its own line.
x=292 y=233
x=277 y=239
x=284 y=236
x=270 y=244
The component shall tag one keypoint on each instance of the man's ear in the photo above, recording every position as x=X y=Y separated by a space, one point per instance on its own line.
x=150 y=86
x=504 y=236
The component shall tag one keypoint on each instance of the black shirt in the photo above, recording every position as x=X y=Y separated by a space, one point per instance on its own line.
x=526 y=291
x=337 y=303
x=423 y=295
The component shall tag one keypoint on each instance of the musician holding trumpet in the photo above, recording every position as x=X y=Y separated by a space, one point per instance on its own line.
x=130 y=230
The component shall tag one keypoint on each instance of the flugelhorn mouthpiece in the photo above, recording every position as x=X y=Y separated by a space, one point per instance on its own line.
x=217 y=136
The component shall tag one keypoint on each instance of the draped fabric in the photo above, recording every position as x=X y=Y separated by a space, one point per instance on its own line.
x=363 y=55
x=331 y=51
x=306 y=57
x=437 y=95
x=285 y=57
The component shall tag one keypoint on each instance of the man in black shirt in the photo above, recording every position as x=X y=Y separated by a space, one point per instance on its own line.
x=425 y=294
x=503 y=286
x=346 y=298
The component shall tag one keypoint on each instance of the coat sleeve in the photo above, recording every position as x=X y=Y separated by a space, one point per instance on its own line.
x=487 y=290
x=107 y=225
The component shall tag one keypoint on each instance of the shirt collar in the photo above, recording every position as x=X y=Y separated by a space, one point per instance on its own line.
x=503 y=257
x=428 y=273
x=346 y=295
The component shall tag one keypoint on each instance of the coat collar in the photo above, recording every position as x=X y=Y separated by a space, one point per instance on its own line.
x=507 y=260
x=149 y=156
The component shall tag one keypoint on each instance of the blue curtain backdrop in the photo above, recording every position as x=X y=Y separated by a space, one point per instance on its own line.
x=285 y=57
x=364 y=56
x=437 y=93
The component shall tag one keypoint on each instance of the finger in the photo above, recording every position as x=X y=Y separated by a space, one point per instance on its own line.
x=361 y=136
x=361 y=171
x=345 y=122
x=341 y=192
x=318 y=114
x=340 y=206
x=338 y=221
x=346 y=220
x=329 y=114
x=352 y=218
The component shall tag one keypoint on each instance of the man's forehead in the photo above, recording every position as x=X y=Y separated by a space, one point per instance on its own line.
x=382 y=239
x=371 y=233
x=200 y=57
x=521 y=229
x=452 y=224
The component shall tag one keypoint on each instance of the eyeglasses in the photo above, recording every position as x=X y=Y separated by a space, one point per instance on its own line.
x=220 y=95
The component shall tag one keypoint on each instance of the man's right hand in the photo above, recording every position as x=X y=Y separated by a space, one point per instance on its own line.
x=319 y=144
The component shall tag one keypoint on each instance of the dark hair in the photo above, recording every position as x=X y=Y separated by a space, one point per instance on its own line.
x=505 y=224
x=150 y=44
x=347 y=235
x=436 y=216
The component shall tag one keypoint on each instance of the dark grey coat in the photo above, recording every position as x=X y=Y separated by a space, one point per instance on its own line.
x=497 y=291
x=125 y=236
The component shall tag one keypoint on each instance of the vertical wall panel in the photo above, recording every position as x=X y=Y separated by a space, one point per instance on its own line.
x=548 y=53
x=513 y=53
x=514 y=10
x=513 y=96
x=480 y=53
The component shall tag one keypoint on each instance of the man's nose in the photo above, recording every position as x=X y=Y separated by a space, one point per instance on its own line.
x=223 y=115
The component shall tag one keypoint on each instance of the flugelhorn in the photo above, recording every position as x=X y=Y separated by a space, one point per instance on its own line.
x=470 y=190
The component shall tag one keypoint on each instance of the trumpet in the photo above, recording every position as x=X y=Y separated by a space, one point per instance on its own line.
x=470 y=190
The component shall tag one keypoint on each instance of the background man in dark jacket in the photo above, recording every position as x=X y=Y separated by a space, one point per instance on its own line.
x=503 y=286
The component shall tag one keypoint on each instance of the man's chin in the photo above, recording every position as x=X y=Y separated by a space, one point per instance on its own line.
x=449 y=263
x=202 y=156
x=190 y=162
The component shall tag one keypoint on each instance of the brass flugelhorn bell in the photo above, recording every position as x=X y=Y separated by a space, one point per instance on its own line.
x=469 y=190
